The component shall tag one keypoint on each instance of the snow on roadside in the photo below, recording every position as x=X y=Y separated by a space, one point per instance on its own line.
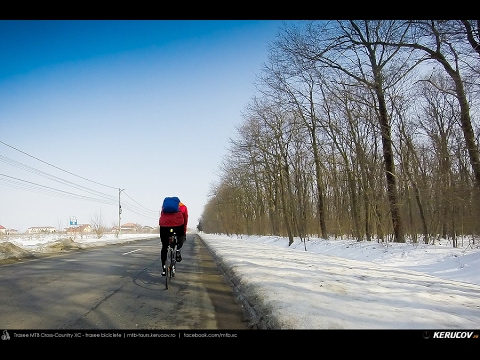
x=26 y=246
x=440 y=259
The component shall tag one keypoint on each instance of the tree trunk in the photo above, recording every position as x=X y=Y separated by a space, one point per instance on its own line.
x=389 y=163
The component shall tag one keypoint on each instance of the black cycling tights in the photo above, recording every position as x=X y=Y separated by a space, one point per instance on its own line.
x=165 y=234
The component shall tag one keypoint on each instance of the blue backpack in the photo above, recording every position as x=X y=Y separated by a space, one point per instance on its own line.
x=171 y=204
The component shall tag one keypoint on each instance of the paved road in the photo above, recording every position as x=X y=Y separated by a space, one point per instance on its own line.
x=118 y=287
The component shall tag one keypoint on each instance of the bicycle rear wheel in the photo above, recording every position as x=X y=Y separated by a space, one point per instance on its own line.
x=168 y=265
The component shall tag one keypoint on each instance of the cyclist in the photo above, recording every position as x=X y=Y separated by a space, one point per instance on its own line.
x=176 y=220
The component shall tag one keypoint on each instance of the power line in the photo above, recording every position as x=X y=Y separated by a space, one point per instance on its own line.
x=156 y=211
x=56 y=167
x=52 y=177
x=27 y=185
x=42 y=189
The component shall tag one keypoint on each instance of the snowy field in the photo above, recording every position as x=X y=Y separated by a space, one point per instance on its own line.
x=329 y=284
x=345 y=284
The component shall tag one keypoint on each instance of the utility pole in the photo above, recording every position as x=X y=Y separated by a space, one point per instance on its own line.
x=119 y=212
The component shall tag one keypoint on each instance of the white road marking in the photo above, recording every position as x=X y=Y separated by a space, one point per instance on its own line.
x=131 y=252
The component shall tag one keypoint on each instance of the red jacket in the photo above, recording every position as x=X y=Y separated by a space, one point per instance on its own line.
x=175 y=219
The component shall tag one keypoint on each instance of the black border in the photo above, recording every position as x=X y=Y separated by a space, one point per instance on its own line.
x=79 y=336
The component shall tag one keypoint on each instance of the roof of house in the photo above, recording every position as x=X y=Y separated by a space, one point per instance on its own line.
x=129 y=225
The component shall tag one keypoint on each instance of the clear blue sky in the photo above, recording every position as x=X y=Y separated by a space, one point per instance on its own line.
x=147 y=106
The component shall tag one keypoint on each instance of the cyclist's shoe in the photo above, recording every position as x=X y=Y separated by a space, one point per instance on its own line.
x=164 y=271
x=178 y=256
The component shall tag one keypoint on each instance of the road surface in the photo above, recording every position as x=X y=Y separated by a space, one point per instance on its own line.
x=119 y=287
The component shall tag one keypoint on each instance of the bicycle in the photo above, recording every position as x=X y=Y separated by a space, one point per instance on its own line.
x=171 y=258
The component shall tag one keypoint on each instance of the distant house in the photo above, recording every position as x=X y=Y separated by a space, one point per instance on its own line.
x=130 y=227
x=41 y=230
x=84 y=229
x=4 y=231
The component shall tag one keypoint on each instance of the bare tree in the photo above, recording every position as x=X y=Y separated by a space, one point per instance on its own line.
x=411 y=167
x=346 y=47
x=115 y=227
x=60 y=228
x=294 y=88
x=340 y=130
x=444 y=42
x=98 y=226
